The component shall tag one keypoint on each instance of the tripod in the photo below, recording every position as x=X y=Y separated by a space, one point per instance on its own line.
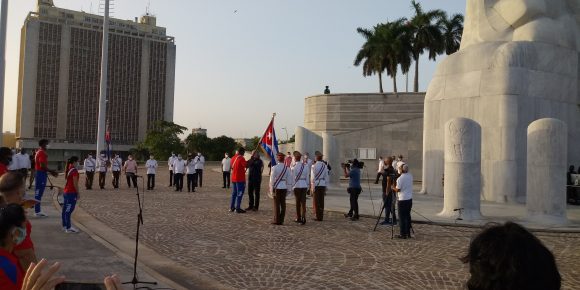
x=135 y=281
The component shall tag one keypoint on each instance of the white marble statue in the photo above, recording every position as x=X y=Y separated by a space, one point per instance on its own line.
x=518 y=63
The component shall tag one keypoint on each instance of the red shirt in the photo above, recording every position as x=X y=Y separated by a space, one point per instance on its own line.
x=238 y=168
x=3 y=169
x=72 y=172
x=11 y=276
x=40 y=158
x=27 y=243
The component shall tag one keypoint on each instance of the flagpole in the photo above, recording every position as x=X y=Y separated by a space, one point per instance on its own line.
x=271 y=120
x=104 y=74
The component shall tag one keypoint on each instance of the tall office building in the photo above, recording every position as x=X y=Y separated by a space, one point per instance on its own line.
x=59 y=81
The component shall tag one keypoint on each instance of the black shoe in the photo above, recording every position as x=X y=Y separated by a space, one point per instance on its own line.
x=239 y=210
x=347 y=215
x=232 y=209
x=223 y=187
x=249 y=208
x=255 y=209
x=303 y=222
x=298 y=220
x=354 y=218
x=400 y=237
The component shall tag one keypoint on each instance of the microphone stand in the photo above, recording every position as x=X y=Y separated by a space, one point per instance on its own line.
x=135 y=281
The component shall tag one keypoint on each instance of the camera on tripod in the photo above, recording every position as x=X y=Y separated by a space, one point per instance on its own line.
x=349 y=163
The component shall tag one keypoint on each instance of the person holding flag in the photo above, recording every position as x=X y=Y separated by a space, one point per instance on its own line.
x=269 y=143
x=239 y=166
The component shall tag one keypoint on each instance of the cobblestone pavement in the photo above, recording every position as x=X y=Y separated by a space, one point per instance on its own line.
x=244 y=251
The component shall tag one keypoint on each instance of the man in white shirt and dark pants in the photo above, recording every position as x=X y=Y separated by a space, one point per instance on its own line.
x=151 y=166
x=116 y=165
x=380 y=170
x=102 y=168
x=279 y=183
x=226 y=168
x=318 y=180
x=178 y=171
x=170 y=161
x=89 y=165
x=191 y=174
x=200 y=162
x=404 y=189
x=23 y=162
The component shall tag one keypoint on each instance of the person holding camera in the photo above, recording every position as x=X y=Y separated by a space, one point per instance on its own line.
x=352 y=172
x=389 y=179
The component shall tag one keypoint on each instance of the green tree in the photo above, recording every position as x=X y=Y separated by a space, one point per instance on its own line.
x=164 y=139
x=370 y=55
x=426 y=34
x=254 y=143
x=219 y=146
x=197 y=143
x=140 y=152
x=452 y=33
x=396 y=48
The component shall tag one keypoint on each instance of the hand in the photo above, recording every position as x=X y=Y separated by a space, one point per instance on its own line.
x=36 y=279
x=113 y=283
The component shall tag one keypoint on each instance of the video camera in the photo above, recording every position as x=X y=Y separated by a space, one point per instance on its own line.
x=350 y=163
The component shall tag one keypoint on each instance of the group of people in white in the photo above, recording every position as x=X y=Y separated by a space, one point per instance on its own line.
x=192 y=167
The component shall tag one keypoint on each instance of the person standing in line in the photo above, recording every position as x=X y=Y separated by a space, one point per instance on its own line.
x=404 y=190
x=288 y=159
x=14 y=165
x=151 y=166
x=279 y=184
x=130 y=169
x=191 y=173
x=389 y=179
x=24 y=162
x=226 y=168
x=318 y=180
x=308 y=161
x=300 y=175
x=71 y=194
x=170 y=161
x=116 y=166
x=354 y=188
x=239 y=166
x=89 y=165
x=42 y=170
x=32 y=170
x=394 y=163
x=102 y=168
x=178 y=171
x=199 y=165
x=380 y=169
x=255 y=168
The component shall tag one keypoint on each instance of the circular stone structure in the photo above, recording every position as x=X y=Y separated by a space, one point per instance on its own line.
x=462 y=187
x=547 y=162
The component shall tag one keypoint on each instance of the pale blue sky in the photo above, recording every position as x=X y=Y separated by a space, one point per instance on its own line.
x=235 y=69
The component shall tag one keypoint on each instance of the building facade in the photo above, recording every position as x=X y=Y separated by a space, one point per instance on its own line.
x=59 y=79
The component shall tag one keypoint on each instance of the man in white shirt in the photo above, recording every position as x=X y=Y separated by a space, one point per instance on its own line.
x=89 y=165
x=151 y=166
x=15 y=162
x=116 y=166
x=23 y=163
x=102 y=168
x=404 y=189
x=380 y=170
x=178 y=171
x=191 y=174
x=300 y=177
x=170 y=161
x=279 y=183
x=199 y=165
x=226 y=168
x=318 y=180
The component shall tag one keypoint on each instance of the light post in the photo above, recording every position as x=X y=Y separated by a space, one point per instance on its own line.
x=104 y=74
x=3 y=21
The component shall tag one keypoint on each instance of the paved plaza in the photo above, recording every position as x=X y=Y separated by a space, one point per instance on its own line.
x=195 y=241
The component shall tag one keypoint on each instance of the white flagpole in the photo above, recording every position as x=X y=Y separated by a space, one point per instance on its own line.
x=3 y=21
x=104 y=73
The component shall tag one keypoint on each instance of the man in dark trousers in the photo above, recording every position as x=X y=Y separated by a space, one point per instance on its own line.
x=389 y=179
x=255 y=168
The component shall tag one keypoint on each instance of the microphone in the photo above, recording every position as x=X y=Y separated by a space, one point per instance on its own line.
x=456 y=209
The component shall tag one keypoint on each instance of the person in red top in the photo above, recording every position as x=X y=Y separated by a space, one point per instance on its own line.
x=239 y=166
x=70 y=194
x=5 y=159
x=12 y=233
x=42 y=170
x=12 y=190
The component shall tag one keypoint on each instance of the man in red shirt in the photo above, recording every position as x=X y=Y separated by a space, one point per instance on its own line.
x=239 y=166
x=42 y=170
x=5 y=159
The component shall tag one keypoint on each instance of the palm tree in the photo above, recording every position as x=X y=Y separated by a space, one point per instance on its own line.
x=370 y=55
x=426 y=34
x=452 y=32
x=396 y=47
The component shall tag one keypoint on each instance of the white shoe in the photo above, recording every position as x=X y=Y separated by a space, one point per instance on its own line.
x=40 y=214
x=71 y=230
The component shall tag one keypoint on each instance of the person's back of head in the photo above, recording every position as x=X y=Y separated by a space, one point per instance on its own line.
x=11 y=188
x=510 y=257
x=11 y=216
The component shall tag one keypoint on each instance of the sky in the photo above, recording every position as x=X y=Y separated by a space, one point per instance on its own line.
x=239 y=61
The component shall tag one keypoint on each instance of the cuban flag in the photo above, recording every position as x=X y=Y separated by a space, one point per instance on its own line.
x=108 y=141
x=269 y=143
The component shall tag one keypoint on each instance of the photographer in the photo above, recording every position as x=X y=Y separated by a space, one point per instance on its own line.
x=389 y=179
x=352 y=171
